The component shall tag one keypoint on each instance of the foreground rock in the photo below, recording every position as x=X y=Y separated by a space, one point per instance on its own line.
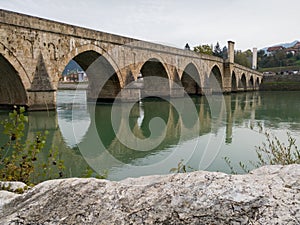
x=269 y=195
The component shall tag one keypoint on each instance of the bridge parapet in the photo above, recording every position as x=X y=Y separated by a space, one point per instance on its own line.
x=44 y=25
x=40 y=24
x=246 y=69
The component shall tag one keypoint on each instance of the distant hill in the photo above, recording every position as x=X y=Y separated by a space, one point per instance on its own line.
x=72 y=66
x=286 y=45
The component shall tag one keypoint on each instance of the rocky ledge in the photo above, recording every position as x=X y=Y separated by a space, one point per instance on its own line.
x=269 y=195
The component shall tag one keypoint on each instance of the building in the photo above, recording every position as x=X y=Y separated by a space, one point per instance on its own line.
x=275 y=48
x=74 y=76
x=294 y=49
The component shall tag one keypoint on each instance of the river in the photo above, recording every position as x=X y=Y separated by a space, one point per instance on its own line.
x=154 y=135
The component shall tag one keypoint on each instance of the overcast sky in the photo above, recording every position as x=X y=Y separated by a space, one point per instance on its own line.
x=250 y=23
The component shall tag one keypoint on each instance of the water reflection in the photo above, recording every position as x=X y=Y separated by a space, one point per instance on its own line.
x=223 y=126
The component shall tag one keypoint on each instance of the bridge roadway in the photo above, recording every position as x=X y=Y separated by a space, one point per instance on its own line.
x=35 y=51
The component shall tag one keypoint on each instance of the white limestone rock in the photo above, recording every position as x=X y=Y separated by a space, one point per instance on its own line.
x=269 y=195
x=9 y=190
x=6 y=197
x=13 y=186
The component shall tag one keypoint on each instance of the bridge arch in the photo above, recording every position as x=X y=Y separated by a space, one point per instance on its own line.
x=233 y=82
x=257 y=83
x=191 y=80
x=12 y=83
x=159 y=84
x=141 y=60
x=105 y=80
x=16 y=64
x=215 y=80
x=243 y=82
x=251 y=83
x=100 y=53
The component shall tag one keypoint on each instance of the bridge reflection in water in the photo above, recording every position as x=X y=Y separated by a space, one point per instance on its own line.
x=225 y=126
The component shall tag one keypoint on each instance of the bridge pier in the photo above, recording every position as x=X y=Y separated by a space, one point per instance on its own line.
x=177 y=92
x=207 y=91
x=132 y=93
x=41 y=100
x=228 y=68
x=41 y=95
x=227 y=77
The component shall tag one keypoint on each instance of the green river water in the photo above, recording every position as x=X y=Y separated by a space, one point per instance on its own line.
x=154 y=135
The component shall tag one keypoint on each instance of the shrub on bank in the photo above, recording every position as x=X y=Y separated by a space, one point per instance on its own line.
x=19 y=159
x=272 y=152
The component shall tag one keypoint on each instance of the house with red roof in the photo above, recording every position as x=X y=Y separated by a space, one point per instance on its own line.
x=275 y=48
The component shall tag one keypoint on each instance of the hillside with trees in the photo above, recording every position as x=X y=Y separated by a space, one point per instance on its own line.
x=285 y=57
x=278 y=61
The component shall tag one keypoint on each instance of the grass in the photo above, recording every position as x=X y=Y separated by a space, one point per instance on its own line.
x=282 y=82
x=281 y=69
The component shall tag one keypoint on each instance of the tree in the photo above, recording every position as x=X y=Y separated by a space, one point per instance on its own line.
x=280 y=58
x=225 y=52
x=248 y=53
x=217 y=50
x=243 y=58
x=187 y=46
x=205 y=49
x=261 y=54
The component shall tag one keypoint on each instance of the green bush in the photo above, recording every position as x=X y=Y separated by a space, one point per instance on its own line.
x=181 y=168
x=19 y=161
x=272 y=152
x=275 y=152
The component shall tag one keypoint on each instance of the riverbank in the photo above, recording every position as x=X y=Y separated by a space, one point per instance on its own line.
x=72 y=86
x=268 y=195
x=285 y=82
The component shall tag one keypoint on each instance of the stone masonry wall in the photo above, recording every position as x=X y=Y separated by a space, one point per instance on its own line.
x=286 y=82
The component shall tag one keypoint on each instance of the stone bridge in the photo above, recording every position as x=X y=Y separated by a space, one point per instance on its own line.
x=35 y=51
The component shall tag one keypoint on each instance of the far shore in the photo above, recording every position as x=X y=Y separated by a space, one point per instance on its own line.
x=72 y=85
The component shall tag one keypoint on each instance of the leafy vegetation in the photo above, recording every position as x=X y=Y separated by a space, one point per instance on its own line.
x=217 y=51
x=278 y=59
x=90 y=173
x=279 y=69
x=272 y=152
x=212 y=50
x=242 y=58
x=275 y=152
x=204 y=49
x=181 y=168
x=19 y=161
